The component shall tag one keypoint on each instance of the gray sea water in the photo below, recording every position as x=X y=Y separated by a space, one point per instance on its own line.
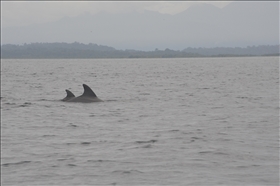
x=193 y=121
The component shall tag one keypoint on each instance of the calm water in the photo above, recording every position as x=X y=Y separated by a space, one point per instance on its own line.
x=201 y=121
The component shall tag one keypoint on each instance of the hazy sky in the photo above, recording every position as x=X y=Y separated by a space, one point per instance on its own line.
x=132 y=25
x=24 y=13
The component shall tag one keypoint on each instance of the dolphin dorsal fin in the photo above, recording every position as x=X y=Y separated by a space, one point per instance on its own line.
x=88 y=92
x=69 y=94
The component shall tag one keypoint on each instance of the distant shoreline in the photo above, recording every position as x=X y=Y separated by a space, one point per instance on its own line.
x=155 y=57
x=93 y=51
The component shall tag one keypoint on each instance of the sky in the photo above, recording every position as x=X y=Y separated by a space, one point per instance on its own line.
x=22 y=13
x=142 y=25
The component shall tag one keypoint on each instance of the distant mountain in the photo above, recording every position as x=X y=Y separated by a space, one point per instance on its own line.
x=79 y=50
x=239 y=24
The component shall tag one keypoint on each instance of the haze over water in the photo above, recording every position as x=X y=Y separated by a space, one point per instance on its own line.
x=143 y=26
x=192 y=121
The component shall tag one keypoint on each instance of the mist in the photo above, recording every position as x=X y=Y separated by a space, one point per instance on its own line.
x=239 y=24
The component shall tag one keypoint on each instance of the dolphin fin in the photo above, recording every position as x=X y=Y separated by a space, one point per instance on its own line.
x=88 y=92
x=69 y=94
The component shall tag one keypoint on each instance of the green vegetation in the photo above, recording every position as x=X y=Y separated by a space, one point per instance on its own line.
x=79 y=50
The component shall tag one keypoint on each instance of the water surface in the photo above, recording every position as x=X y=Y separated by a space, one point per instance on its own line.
x=200 y=121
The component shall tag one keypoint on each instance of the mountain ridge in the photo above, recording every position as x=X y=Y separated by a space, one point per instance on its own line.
x=237 y=24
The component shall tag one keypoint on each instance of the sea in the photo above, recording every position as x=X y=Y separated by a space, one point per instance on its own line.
x=165 y=122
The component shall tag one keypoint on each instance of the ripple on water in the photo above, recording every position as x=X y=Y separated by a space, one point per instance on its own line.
x=127 y=172
x=85 y=143
x=26 y=104
x=149 y=141
x=17 y=163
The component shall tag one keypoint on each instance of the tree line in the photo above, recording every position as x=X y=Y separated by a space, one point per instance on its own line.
x=80 y=50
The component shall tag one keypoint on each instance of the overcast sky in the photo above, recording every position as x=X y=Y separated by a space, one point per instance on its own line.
x=25 y=13
x=142 y=25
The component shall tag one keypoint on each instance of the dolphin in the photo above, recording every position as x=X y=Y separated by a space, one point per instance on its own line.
x=87 y=97
x=69 y=95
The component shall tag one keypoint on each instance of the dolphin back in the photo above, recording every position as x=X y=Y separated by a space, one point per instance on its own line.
x=87 y=97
